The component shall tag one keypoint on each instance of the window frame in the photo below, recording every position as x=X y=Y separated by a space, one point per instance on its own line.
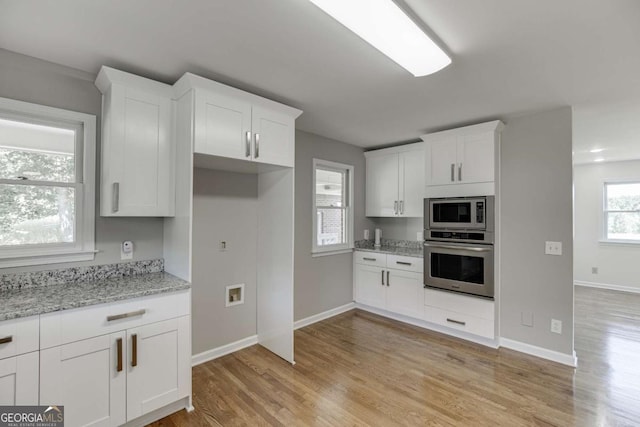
x=605 y=214
x=335 y=248
x=83 y=247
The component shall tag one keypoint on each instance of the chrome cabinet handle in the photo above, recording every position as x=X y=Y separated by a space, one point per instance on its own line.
x=457 y=322
x=395 y=207
x=126 y=315
x=6 y=340
x=115 y=197
x=134 y=350
x=401 y=207
x=382 y=280
x=247 y=150
x=257 y=145
x=119 y=361
x=368 y=259
x=459 y=248
x=460 y=172
x=388 y=282
x=453 y=167
x=403 y=263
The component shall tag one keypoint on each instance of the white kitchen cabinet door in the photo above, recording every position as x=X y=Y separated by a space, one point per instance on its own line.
x=222 y=126
x=273 y=137
x=370 y=286
x=89 y=378
x=138 y=153
x=382 y=185
x=158 y=365
x=19 y=380
x=411 y=183
x=405 y=293
x=476 y=158
x=441 y=161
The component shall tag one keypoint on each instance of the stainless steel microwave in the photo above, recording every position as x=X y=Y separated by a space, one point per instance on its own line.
x=459 y=213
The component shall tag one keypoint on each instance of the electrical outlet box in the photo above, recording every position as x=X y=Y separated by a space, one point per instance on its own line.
x=366 y=234
x=553 y=248
x=419 y=236
x=526 y=318
x=126 y=250
x=594 y=270
x=556 y=326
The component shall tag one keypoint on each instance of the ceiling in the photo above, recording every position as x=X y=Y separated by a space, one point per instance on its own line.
x=509 y=57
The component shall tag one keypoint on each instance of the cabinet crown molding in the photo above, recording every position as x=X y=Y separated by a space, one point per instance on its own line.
x=109 y=76
x=396 y=149
x=494 y=126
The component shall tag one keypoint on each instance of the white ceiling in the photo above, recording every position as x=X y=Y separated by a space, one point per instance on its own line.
x=509 y=57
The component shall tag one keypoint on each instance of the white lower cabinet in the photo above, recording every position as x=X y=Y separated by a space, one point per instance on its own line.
x=389 y=282
x=19 y=380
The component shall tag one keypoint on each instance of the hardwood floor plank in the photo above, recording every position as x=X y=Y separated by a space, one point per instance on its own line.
x=361 y=369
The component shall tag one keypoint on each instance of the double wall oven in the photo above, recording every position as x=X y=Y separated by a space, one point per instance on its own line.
x=459 y=245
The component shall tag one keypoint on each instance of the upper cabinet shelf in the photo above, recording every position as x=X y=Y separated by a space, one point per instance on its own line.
x=234 y=124
x=137 y=146
x=462 y=162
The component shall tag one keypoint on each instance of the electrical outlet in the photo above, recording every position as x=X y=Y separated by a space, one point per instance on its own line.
x=594 y=270
x=553 y=248
x=126 y=250
x=366 y=234
x=526 y=318
x=420 y=236
x=556 y=326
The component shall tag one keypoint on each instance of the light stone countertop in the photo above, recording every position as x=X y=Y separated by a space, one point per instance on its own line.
x=16 y=303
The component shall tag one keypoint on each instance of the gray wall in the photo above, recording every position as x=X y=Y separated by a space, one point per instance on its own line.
x=537 y=206
x=398 y=228
x=32 y=80
x=323 y=283
x=225 y=208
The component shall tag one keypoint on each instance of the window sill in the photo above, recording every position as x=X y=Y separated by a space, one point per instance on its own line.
x=56 y=258
x=630 y=243
x=331 y=252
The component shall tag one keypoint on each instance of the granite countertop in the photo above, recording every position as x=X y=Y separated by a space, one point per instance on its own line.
x=30 y=301
x=394 y=250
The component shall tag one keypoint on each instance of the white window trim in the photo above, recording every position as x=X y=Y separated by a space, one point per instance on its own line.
x=84 y=247
x=339 y=248
x=604 y=218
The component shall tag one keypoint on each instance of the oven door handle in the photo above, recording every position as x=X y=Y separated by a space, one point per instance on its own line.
x=459 y=248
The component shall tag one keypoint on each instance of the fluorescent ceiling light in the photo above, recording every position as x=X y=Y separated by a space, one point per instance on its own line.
x=597 y=150
x=386 y=27
x=599 y=159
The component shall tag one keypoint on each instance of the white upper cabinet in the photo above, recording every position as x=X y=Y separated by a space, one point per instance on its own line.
x=462 y=162
x=137 y=146
x=233 y=124
x=395 y=181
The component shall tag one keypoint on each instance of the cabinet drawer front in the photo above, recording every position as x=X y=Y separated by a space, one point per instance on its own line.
x=477 y=307
x=370 y=258
x=19 y=335
x=73 y=325
x=405 y=263
x=460 y=322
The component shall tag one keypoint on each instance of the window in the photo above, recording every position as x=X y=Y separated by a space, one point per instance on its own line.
x=332 y=207
x=47 y=179
x=622 y=211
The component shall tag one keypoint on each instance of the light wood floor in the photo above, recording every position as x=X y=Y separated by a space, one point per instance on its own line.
x=362 y=369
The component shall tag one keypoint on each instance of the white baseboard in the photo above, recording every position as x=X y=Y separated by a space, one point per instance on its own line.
x=158 y=414
x=635 y=290
x=324 y=315
x=214 y=353
x=555 y=356
x=428 y=325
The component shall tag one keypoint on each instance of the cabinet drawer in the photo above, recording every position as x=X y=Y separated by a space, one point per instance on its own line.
x=476 y=307
x=73 y=325
x=370 y=258
x=20 y=336
x=405 y=263
x=460 y=322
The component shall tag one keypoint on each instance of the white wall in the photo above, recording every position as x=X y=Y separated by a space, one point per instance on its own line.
x=397 y=228
x=618 y=265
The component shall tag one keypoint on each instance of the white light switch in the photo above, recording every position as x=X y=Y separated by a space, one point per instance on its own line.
x=553 y=248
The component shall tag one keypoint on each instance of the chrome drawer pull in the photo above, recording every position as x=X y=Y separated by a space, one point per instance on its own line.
x=126 y=315
x=369 y=259
x=403 y=263
x=6 y=340
x=457 y=322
